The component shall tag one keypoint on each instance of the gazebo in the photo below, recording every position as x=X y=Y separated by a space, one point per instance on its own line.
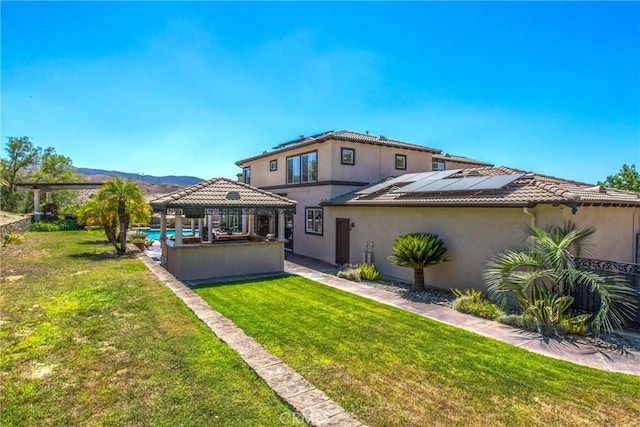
x=233 y=250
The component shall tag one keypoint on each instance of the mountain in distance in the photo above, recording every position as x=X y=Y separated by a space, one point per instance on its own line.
x=148 y=179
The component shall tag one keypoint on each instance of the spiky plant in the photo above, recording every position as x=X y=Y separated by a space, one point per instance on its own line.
x=550 y=264
x=418 y=251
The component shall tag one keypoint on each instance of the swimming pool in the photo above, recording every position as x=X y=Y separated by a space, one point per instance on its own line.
x=155 y=234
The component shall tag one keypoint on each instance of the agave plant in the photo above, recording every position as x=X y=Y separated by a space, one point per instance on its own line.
x=543 y=278
x=418 y=251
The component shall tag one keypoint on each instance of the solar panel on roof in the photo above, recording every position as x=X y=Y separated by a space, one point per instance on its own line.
x=380 y=186
x=408 y=178
x=459 y=184
x=496 y=182
x=465 y=183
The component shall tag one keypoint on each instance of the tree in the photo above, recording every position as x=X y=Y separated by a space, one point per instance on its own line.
x=115 y=206
x=22 y=156
x=627 y=179
x=543 y=277
x=418 y=251
x=57 y=168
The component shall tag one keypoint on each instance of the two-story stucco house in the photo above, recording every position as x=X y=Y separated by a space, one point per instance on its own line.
x=348 y=205
x=314 y=169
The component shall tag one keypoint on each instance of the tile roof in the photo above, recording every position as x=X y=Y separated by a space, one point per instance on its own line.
x=343 y=135
x=221 y=193
x=460 y=159
x=529 y=190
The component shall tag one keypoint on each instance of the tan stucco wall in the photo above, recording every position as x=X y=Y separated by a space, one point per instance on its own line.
x=193 y=262
x=309 y=197
x=472 y=236
x=372 y=163
x=459 y=228
x=616 y=230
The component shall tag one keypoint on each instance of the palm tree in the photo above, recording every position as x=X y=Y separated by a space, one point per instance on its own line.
x=117 y=204
x=548 y=271
x=91 y=212
x=418 y=251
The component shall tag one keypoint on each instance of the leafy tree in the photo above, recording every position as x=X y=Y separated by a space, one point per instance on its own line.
x=543 y=277
x=115 y=206
x=57 y=168
x=418 y=251
x=627 y=179
x=21 y=156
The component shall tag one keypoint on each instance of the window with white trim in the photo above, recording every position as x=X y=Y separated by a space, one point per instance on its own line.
x=313 y=220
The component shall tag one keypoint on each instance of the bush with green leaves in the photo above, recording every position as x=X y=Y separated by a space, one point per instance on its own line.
x=418 y=251
x=57 y=225
x=370 y=273
x=543 y=277
x=472 y=302
x=11 y=238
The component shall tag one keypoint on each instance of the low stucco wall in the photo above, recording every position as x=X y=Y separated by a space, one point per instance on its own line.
x=207 y=261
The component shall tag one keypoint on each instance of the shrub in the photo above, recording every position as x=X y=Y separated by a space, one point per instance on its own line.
x=350 y=272
x=484 y=308
x=370 y=272
x=575 y=324
x=57 y=225
x=472 y=302
x=11 y=238
x=514 y=320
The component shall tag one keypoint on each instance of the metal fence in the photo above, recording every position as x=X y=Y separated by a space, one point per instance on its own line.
x=584 y=300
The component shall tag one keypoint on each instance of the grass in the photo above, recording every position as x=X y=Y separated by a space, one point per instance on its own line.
x=94 y=340
x=389 y=367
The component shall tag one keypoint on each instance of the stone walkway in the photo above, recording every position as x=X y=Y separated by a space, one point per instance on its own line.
x=563 y=349
x=310 y=403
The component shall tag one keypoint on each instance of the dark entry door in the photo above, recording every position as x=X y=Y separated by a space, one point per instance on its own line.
x=342 y=241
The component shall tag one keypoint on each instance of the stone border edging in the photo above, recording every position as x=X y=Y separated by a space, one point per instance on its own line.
x=310 y=403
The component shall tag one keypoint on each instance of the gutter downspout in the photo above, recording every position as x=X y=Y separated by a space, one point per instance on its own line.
x=533 y=224
x=531 y=214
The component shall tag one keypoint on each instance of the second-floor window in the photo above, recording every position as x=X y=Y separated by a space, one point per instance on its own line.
x=401 y=161
x=347 y=156
x=302 y=168
x=437 y=166
x=246 y=175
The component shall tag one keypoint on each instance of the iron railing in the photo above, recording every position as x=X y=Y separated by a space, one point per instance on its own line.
x=587 y=301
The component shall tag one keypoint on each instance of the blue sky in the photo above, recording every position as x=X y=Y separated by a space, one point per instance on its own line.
x=190 y=88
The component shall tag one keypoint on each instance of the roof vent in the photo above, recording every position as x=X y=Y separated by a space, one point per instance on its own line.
x=301 y=136
x=382 y=138
x=602 y=189
x=366 y=132
x=232 y=195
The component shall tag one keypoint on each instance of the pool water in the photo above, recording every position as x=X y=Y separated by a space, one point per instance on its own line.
x=155 y=234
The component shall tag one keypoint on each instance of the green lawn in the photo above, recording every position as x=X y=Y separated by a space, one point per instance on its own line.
x=92 y=340
x=389 y=367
